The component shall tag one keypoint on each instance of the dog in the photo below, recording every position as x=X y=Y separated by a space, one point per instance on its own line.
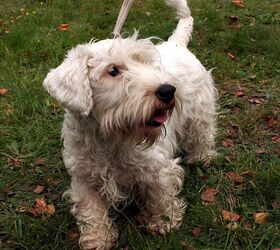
x=130 y=106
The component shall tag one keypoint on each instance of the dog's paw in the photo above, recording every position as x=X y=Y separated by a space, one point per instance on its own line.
x=98 y=241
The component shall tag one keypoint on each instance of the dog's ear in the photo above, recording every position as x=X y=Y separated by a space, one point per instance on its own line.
x=69 y=83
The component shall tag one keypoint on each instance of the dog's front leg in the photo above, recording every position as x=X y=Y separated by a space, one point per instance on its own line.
x=161 y=209
x=97 y=230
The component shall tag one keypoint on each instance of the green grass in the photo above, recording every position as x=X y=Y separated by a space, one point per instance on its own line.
x=30 y=121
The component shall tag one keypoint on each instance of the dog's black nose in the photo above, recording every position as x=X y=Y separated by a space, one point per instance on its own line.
x=165 y=92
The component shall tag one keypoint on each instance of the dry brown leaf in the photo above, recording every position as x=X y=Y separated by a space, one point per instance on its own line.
x=41 y=207
x=276 y=204
x=232 y=225
x=276 y=138
x=275 y=111
x=208 y=195
x=235 y=23
x=239 y=93
x=236 y=178
x=232 y=56
x=14 y=161
x=256 y=101
x=238 y=3
x=73 y=235
x=38 y=189
x=272 y=122
x=63 y=27
x=40 y=161
x=22 y=209
x=228 y=143
x=233 y=18
x=50 y=209
x=252 y=77
x=230 y=216
x=3 y=91
x=232 y=131
x=261 y=151
x=248 y=225
x=186 y=245
x=260 y=218
x=196 y=231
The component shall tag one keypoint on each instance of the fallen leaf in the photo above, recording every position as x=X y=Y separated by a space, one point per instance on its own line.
x=3 y=91
x=73 y=235
x=196 y=231
x=248 y=225
x=27 y=54
x=208 y=195
x=265 y=81
x=232 y=225
x=63 y=27
x=41 y=207
x=233 y=18
x=40 y=161
x=139 y=4
x=231 y=55
x=252 y=77
x=22 y=209
x=228 y=143
x=238 y=3
x=51 y=181
x=230 y=216
x=260 y=218
x=148 y=13
x=14 y=161
x=256 y=102
x=236 y=110
x=50 y=209
x=232 y=131
x=276 y=204
x=38 y=189
x=239 y=93
x=276 y=138
x=275 y=111
x=186 y=245
x=2 y=21
x=236 y=178
x=249 y=174
x=261 y=151
x=272 y=122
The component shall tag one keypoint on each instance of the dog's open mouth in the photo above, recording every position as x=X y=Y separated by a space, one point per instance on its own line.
x=158 y=118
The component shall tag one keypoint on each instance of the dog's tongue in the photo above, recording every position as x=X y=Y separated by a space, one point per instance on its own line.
x=160 y=118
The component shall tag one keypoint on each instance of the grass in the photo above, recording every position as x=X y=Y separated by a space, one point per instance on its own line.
x=245 y=54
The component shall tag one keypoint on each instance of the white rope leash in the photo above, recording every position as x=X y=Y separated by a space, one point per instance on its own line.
x=122 y=16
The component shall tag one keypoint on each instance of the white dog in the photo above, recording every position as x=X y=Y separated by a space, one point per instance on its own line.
x=130 y=106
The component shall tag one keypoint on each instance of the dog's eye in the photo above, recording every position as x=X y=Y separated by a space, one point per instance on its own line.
x=114 y=71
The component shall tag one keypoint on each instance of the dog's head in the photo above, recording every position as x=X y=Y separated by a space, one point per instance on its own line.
x=119 y=82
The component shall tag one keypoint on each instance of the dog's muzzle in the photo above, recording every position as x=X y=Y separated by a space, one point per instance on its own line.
x=164 y=93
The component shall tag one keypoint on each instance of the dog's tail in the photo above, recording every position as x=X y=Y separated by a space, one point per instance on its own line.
x=182 y=33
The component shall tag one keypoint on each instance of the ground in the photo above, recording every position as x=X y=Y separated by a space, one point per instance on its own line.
x=233 y=204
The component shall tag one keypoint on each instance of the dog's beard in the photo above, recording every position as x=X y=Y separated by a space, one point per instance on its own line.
x=136 y=122
x=146 y=136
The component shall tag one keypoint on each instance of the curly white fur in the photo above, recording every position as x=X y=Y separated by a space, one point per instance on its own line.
x=110 y=151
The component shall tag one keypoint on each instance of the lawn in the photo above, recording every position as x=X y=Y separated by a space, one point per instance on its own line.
x=241 y=43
